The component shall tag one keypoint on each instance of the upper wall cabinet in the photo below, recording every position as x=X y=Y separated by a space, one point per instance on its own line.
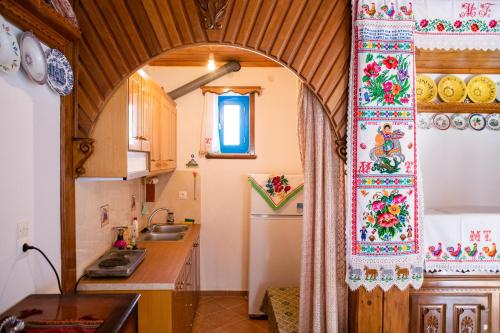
x=135 y=133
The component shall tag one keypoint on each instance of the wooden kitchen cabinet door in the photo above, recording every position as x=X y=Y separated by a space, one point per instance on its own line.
x=134 y=112
x=156 y=109
x=169 y=134
x=146 y=115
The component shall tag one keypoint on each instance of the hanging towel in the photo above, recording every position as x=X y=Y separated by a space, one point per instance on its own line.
x=461 y=240
x=457 y=24
x=384 y=229
x=276 y=189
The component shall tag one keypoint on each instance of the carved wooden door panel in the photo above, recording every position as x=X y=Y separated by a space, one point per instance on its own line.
x=439 y=313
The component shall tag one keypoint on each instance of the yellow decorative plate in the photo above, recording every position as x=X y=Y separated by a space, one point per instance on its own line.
x=452 y=89
x=426 y=89
x=482 y=89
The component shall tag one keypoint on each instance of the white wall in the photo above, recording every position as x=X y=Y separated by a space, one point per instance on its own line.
x=224 y=190
x=29 y=174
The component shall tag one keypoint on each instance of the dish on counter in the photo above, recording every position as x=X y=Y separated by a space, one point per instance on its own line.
x=459 y=121
x=452 y=89
x=477 y=121
x=33 y=58
x=425 y=88
x=493 y=121
x=60 y=74
x=441 y=121
x=9 y=48
x=482 y=89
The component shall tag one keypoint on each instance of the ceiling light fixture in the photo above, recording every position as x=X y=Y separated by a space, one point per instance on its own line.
x=211 y=62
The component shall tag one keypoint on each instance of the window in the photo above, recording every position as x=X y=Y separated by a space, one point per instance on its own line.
x=234 y=124
x=228 y=122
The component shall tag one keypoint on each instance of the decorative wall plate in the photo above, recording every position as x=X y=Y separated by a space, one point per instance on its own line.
x=452 y=89
x=498 y=91
x=441 y=121
x=64 y=8
x=33 y=58
x=424 y=121
x=493 y=121
x=459 y=121
x=482 y=89
x=477 y=121
x=9 y=49
x=426 y=89
x=60 y=73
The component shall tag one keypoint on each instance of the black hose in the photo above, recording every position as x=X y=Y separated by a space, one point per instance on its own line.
x=27 y=247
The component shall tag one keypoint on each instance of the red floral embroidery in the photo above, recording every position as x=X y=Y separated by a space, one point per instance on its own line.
x=457 y=24
x=390 y=62
x=387 y=220
x=372 y=69
x=440 y=27
x=389 y=98
x=474 y=27
x=492 y=24
x=387 y=86
x=424 y=23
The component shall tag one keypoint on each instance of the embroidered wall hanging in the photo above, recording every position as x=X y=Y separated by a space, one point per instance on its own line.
x=456 y=242
x=277 y=189
x=385 y=231
x=457 y=24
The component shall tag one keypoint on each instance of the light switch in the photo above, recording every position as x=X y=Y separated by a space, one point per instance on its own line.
x=183 y=195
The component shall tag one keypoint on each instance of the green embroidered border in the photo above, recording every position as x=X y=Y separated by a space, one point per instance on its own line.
x=264 y=195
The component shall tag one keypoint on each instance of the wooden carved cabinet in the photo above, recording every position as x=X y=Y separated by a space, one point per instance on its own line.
x=187 y=288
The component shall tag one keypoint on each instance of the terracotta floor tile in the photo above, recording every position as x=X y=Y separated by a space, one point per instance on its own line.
x=217 y=314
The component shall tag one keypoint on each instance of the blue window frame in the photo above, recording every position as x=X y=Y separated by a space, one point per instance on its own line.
x=234 y=124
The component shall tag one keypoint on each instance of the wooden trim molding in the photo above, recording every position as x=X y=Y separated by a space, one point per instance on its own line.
x=219 y=90
x=82 y=149
x=459 y=107
x=231 y=156
x=458 y=61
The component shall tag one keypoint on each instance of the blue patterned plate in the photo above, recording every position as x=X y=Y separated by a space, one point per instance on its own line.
x=493 y=121
x=477 y=122
x=60 y=73
x=9 y=49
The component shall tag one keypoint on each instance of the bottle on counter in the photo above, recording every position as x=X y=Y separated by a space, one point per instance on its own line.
x=134 y=233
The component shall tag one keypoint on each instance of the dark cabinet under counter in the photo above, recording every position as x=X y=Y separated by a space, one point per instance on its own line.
x=115 y=313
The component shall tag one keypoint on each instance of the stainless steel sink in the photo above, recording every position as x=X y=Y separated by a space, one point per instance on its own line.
x=170 y=228
x=155 y=236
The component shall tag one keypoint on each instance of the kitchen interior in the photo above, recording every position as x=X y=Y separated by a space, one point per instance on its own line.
x=211 y=232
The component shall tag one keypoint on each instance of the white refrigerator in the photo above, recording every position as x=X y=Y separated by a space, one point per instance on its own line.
x=275 y=248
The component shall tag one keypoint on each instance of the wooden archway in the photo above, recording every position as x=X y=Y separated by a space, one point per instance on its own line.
x=310 y=37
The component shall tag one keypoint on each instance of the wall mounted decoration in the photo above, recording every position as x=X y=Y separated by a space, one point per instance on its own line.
x=425 y=89
x=32 y=58
x=10 y=58
x=441 y=121
x=481 y=89
x=276 y=190
x=459 y=121
x=452 y=89
x=477 y=122
x=384 y=229
x=493 y=121
x=457 y=24
x=60 y=74
x=212 y=13
x=461 y=241
x=64 y=8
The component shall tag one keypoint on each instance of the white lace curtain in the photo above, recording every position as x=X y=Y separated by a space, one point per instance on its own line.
x=209 y=140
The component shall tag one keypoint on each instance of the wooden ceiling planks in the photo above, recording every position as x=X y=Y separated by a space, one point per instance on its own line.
x=311 y=37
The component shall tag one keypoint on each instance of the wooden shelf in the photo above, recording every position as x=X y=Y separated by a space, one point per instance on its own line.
x=458 y=61
x=41 y=18
x=458 y=107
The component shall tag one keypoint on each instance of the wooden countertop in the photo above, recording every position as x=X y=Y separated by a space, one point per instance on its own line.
x=159 y=270
x=113 y=309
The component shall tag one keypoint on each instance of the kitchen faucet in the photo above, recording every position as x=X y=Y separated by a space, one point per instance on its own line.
x=150 y=218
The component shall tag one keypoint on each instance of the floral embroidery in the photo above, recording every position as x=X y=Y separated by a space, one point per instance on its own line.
x=277 y=185
x=387 y=215
x=457 y=26
x=386 y=80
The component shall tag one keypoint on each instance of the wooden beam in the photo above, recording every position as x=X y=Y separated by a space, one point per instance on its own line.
x=458 y=61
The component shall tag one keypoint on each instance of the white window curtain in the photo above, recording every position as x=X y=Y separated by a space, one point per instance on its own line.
x=209 y=141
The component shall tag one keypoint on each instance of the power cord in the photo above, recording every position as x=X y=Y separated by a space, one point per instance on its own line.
x=27 y=247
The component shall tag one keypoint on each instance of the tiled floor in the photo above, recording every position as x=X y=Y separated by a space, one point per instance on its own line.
x=226 y=314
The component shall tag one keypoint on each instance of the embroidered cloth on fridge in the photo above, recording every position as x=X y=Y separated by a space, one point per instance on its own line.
x=383 y=211
x=462 y=240
x=457 y=24
x=276 y=189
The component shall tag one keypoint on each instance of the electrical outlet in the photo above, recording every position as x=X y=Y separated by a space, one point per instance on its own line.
x=183 y=195
x=22 y=236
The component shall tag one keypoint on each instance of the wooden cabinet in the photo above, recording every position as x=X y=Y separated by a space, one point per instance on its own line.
x=164 y=132
x=139 y=113
x=139 y=118
x=187 y=288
